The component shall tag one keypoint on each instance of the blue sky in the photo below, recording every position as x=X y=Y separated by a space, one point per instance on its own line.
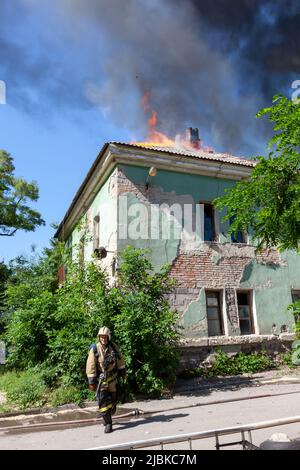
x=75 y=73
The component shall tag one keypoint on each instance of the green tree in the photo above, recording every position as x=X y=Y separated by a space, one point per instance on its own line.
x=29 y=306
x=54 y=327
x=82 y=306
x=268 y=202
x=4 y=275
x=145 y=326
x=15 y=193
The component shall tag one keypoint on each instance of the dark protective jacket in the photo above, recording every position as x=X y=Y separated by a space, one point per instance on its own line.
x=106 y=360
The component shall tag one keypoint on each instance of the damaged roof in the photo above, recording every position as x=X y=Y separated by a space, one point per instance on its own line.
x=197 y=154
x=201 y=154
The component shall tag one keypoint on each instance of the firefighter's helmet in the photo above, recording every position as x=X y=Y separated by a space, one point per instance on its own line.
x=104 y=331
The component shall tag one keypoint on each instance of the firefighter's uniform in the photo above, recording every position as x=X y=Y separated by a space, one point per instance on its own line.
x=104 y=364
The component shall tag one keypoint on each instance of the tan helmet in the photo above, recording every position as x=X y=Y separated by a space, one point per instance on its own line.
x=104 y=331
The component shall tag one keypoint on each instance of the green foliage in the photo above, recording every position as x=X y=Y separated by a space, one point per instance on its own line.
x=82 y=305
x=30 y=303
x=30 y=389
x=24 y=389
x=4 y=275
x=295 y=310
x=144 y=324
x=64 y=395
x=268 y=202
x=53 y=328
x=225 y=364
x=240 y=363
x=15 y=193
x=295 y=353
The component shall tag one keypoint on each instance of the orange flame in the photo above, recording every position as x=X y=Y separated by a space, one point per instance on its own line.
x=154 y=137
x=157 y=138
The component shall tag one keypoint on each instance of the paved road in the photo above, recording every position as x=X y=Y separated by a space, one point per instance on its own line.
x=174 y=416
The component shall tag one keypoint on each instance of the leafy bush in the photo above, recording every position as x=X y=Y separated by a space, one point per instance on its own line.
x=225 y=364
x=30 y=302
x=144 y=324
x=63 y=395
x=52 y=328
x=295 y=353
x=240 y=363
x=25 y=389
x=82 y=305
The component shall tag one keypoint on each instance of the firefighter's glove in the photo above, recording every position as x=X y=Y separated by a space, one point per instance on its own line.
x=93 y=387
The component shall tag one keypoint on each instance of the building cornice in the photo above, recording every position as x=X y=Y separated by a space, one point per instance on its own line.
x=113 y=154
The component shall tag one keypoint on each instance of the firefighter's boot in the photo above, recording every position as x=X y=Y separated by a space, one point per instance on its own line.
x=107 y=421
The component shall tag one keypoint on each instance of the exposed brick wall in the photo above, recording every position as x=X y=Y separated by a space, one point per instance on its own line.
x=200 y=269
x=214 y=266
x=210 y=266
x=127 y=186
x=232 y=312
x=270 y=256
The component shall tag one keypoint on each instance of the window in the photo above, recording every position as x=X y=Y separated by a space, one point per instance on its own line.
x=238 y=237
x=96 y=232
x=296 y=296
x=245 y=313
x=213 y=310
x=209 y=223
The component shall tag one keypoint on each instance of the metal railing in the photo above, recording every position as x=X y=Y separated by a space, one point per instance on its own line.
x=214 y=433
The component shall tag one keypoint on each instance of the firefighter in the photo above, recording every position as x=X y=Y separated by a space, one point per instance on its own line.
x=104 y=364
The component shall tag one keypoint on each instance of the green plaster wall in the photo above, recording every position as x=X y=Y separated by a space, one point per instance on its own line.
x=182 y=188
x=106 y=206
x=198 y=186
x=194 y=320
x=162 y=251
x=272 y=285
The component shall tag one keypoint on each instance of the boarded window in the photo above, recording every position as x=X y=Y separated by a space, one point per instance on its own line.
x=245 y=313
x=209 y=222
x=96 y=232
x=213 y=310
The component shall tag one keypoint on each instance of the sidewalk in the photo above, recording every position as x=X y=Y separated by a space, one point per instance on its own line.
x=189 y=392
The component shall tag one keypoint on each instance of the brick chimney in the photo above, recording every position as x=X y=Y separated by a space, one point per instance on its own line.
x=192 y=137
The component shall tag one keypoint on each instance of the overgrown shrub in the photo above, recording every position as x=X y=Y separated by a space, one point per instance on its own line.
x=144 y=324
x=225 y=364
x=63 y=395
x=25 y=389
x=82 y=305
x=240 y=363
x=30 y=302
x=53 y=328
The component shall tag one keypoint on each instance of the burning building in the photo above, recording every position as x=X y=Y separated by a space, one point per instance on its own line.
x=160 y=197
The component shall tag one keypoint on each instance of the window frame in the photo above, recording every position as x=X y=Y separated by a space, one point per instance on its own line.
x=213 y=221
x=249 y=294
x=293 y=292
x=219 y=293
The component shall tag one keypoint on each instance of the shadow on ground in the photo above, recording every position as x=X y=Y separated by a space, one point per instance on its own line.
x=204 y=387
x=161 y=418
